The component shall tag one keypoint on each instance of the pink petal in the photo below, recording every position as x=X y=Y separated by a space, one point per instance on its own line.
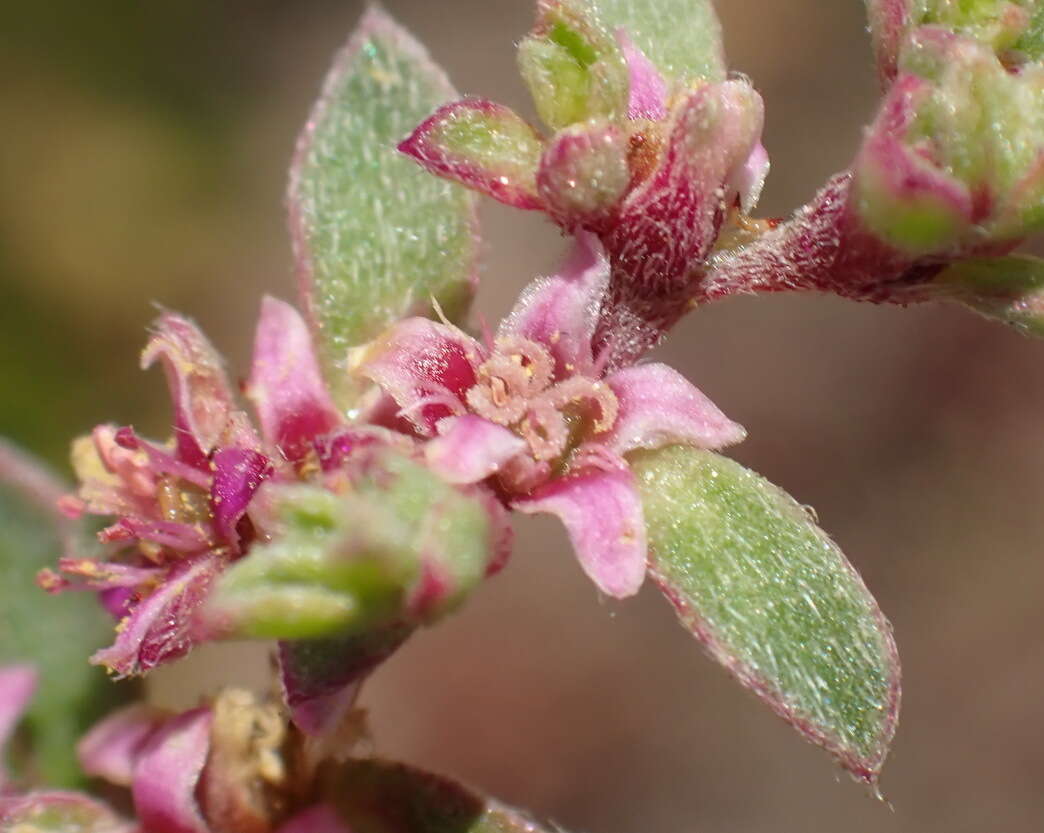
x=322 y=818
x=503 y=169
x=658 y=406
x=159 y=627
x=238 y=472
x=286 y=387
x=602 y=513
x=199 y=387
x=648 y=86
x=426 y=367
x=17 y=686
x=112 y=747
x=561 y=312
x=469 y=449
x=167 y=773
x=748 y=180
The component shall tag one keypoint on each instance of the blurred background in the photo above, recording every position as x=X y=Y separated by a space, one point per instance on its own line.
x=142 y=158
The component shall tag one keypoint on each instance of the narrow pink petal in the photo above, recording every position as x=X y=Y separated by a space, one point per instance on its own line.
x=602 y=513
x=648 y=87
x=198 y=385
x=112 y=747
x=167 y=773
x=17 y=685
x=470 y=448
x=426 y=367
x=238 y=473
x=160 y=461
x=501 y=164
x=286 y=387
x=159 y=627
x=658 y=406
x=748 y=180
x=321 y=818
x=561 y=312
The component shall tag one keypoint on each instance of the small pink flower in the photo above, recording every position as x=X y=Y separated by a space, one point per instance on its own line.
x=536 y=415
x=183 y=509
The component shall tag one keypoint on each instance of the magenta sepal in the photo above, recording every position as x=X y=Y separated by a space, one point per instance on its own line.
x=167 y=772
x=238 y=473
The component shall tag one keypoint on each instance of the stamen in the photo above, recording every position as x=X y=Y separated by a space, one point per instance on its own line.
x=579 y=389
x=545 y=429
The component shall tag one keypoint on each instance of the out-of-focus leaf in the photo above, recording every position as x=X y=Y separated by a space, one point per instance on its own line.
x=403 y=545
x=55 y=635
x=1010 y=289
x=375 y=237
x=770 y=596
x=681 y=37
x=58 y=812
x=573 y=65
x=380 y=797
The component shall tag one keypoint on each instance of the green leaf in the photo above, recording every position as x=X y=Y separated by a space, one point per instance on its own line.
x=771 y=597
x=375 y=237
x=401 y=546
x=380 y=797
x=1009 y=289
x=681 y=37
x=54 y=634
x=573 y=66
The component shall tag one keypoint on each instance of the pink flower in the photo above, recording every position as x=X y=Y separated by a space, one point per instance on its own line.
x=536 y=415
x=183 y=509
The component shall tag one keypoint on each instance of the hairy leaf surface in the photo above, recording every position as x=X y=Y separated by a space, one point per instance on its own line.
x=771 y=597
x=375 y=237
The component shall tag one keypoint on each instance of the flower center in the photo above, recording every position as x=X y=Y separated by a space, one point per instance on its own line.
x=516 y=389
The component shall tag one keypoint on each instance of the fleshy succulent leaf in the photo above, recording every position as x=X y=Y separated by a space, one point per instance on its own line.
x=682 y=38
x=378 y=797
x=482 y=145
x=403 y=545
x=770 y=596
x=573 y=65
x=53 y=637
x=375 y=237
x=1009 y=289
x=584 y=173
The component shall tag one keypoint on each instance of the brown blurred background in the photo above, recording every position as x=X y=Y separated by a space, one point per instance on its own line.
x=142 y=153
